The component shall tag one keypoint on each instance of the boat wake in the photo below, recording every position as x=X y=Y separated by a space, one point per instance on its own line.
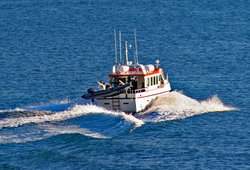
x=176 y=105
x=78 y=117
x=33 y=124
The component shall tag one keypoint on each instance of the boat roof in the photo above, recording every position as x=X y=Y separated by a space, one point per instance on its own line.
x=136 y=72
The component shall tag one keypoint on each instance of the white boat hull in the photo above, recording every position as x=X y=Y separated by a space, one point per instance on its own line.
x=133 y=102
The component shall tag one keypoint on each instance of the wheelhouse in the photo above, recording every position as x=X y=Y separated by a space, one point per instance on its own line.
x=142 y=78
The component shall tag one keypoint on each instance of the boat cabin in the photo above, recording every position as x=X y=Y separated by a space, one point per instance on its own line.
x=139 y=76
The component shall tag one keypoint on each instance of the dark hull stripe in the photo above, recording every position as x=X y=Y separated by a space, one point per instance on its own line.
x=137 y=97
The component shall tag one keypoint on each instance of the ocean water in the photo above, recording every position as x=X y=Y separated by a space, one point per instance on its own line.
x=52 y=51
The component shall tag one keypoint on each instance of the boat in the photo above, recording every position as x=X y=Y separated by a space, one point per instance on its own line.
x=132 y=86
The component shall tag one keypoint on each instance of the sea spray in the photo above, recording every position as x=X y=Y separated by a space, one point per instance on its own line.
x=45 y=124
x=12 y=110
x=75 y=111
x=44 y=131
x=54 y=105
x=176 y=105
x=73 y=129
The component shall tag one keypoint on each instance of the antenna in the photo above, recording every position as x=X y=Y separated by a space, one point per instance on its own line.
x=134 y=57
x=126 y=47
x=120 y=39
x=116 y=60
x=136 y=51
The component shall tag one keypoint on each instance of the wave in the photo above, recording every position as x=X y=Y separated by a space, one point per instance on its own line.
x=53 y=106
x=73 y=129
x=47 y=120
x=12 y=110
x=76 y=111
x=52 y=122
x=21 y=139
x=46 y=131
x=176 y=105
x=56 y=105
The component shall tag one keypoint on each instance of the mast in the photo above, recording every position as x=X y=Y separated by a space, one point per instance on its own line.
x=134 y=57
x=126 y=47
x=120 y=39
x=116 y=60
x=136 y=51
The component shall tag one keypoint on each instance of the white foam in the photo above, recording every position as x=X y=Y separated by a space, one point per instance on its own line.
x=12 y=110
x=63 y=101
x=176 y=105
x=54 y=105
x=22 y=139
x=93 y=109
x=72 y=130
x=214 y=104
x=77 y=110
x=50 y=130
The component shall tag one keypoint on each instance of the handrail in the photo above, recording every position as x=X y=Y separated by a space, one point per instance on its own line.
x=130 y=91
x=140 y=90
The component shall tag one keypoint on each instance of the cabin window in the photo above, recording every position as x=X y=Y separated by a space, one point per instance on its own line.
x=157 y=80
x=161 y=79
x=151 y=81
x=106 y=103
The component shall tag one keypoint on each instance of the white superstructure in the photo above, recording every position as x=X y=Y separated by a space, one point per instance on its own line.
x=147 y=82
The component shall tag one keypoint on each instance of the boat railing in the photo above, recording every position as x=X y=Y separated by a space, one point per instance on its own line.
x=131 y=91
x=140 y=90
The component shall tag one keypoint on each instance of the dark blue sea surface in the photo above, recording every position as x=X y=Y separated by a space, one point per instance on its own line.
x=52 y=51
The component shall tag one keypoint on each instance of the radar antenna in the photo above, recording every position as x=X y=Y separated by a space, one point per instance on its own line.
x=116 y=60
x=120 y=38
x=136 y=51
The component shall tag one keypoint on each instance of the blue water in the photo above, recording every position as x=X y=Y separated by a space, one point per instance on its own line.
x=52 y=51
